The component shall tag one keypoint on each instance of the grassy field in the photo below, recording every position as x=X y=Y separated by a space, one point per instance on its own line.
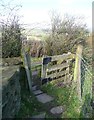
x=36 y=34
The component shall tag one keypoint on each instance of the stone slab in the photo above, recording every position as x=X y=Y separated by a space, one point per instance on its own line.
x=44 y=98
x=34 y=88
x=57 y=110
x=42 y=115
x=37 y=92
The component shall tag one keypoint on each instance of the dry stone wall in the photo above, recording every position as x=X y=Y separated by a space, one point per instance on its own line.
x=10 y=92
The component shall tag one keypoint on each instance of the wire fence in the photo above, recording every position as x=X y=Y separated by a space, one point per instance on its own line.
x=86 y=88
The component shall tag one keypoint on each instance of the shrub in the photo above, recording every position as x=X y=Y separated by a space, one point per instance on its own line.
x=11 y=40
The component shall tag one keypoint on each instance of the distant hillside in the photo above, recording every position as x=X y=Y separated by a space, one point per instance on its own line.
x=37 y=33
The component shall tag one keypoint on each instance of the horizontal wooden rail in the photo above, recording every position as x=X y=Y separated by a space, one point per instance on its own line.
x=57 y=74
x=57 y=67
x=63 y=57
x=64 y=79
x=36 y=64
x=57 y=71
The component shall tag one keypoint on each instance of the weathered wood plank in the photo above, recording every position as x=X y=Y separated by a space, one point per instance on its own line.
x=63 y=79
x=77 y=69
x=60 y=79
x=58 y=74
x=57 y=67
x=44 y=68
x=63 y=57
x=68 y=78
x=35 y=64
x=45 y=80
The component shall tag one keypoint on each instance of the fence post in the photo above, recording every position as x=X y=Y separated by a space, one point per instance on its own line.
x=77 y=69
x=27 y=64
x=67 y=76
x=44 y=68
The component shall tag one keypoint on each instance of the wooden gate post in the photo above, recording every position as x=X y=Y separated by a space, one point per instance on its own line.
x=77 y=70
x=27 y=64
x=44 y=68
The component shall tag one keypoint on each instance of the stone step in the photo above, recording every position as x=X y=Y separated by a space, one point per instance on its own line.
x=44 y=98
x=37 y=92
x=57 y=110
x=42 y=115
x=34 y=87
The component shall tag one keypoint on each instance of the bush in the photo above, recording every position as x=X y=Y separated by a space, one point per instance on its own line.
x=11 y=40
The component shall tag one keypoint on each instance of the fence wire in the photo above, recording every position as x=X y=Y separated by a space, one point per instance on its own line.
x=86 y=88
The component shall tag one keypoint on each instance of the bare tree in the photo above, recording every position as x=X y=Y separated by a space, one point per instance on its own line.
x=66 y=33
x=9 y=12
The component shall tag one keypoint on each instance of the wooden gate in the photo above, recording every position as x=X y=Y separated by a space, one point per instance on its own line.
x=56 y=68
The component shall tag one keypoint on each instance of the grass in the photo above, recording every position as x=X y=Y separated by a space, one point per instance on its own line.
x=29 y=105
x=64 y=97
x=67 y=97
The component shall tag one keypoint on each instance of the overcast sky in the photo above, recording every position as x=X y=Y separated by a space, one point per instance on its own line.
x=37 y=11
